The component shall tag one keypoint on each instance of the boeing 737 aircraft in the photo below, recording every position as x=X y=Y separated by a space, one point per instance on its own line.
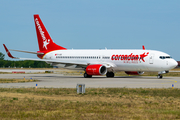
x=98 y=62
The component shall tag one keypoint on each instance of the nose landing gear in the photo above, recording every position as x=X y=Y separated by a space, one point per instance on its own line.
x=159 y=76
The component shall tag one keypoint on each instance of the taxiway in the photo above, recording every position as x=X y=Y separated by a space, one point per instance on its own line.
x=61 y=81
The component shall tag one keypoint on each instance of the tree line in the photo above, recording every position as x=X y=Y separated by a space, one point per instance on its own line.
x=22 y=63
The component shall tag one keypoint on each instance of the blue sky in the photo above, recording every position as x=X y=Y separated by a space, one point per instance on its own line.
x=92 y=24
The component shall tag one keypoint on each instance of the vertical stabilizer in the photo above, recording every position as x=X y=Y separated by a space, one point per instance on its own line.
x=44 y=40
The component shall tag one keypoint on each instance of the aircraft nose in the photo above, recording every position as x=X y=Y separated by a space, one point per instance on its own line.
x=174 y=64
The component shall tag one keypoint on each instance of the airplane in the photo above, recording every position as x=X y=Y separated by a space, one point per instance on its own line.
x=98 y=62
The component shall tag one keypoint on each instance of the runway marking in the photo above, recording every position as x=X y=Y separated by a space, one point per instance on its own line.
x=169 y=82
x=172 y=81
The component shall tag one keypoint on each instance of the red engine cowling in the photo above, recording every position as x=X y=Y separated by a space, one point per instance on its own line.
x=134 y=72
x=96 y=69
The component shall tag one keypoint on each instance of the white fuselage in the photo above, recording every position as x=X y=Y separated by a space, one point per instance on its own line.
x=119 y=60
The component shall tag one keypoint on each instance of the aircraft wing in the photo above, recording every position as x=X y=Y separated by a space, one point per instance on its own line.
x=67 y=63
x=27 y=52
x=45 y=60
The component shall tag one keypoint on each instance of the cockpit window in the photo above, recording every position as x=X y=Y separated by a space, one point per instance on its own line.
x=165 y=57
x=168 y=57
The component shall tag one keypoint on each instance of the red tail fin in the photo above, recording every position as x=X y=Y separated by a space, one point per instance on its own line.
x=44 y=40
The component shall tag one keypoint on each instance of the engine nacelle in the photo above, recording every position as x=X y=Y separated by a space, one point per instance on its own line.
x=134 y=72
x=96 y=69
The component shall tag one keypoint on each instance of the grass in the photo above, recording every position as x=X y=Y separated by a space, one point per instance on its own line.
x=16 y=80
x=100 y=103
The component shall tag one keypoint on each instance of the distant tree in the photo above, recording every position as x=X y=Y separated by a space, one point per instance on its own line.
x=24 y=64
x=2 y=56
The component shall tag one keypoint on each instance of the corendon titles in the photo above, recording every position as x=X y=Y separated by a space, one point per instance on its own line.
x=130 y=58
x=40 y=29
x=45 y=41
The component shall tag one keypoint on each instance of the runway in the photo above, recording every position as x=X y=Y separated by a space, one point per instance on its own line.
x=61 y=81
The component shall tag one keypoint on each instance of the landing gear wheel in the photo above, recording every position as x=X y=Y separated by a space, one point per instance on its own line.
x=109 y=74
x=87 y=76
x=159 y=76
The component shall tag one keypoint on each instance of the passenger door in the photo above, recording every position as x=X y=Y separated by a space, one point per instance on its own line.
x=151 y=59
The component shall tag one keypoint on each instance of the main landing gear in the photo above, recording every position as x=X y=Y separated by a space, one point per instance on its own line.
x=109 y=74
x=87 y=76
x=159 y=76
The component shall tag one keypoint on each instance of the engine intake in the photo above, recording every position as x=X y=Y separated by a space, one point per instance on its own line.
x=96 y=69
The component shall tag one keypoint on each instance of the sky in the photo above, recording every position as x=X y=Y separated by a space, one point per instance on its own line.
x=92 y=24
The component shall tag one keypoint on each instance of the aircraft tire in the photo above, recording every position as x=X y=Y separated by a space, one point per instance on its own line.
x=109 y=74
x=87 y=76
x=159 y=76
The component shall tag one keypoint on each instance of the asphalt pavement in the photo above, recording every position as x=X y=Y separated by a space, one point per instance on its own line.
x=52 y=80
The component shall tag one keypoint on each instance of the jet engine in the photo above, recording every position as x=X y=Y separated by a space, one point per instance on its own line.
x=134 y=72
x=96 y=69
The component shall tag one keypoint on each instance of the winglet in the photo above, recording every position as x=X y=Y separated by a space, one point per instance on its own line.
x=143 y=47
x=7 y=51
